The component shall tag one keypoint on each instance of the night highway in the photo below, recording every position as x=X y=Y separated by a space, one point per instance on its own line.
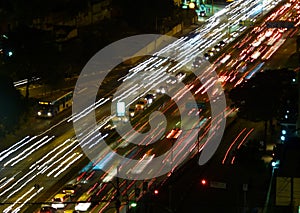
x=38 y=166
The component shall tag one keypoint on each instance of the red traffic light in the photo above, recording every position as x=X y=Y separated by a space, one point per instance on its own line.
x=156 y=191
x=203 y=182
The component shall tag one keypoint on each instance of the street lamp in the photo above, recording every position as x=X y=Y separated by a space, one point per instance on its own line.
x=192 y=5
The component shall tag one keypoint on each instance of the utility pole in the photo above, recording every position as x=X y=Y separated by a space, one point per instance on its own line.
x=118 y=202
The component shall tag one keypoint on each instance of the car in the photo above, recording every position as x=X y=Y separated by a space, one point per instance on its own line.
x=161 y=90
x=206 y=56
x=131 y=112
x=174 y=133
x=140 y=105
x=47 y=209
x=110 y=126
x=59 y=200
x=171 y=80
x=71 y=189
x=197 y=62
x=211 y=52
x=222 y=43
x=217 y=48
x=150 y=98
x=82 y=206
x=180 y=76
x=202 y=13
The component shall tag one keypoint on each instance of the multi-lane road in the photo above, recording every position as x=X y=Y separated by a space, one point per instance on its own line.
x=36 y=163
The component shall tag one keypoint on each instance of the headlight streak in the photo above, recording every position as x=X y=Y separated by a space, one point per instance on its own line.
x=8 y=209
x=6 y=182
x=27 y=151
x=27 y=200
x=18 y=145
x=61 y=163
x=186 y=54
x=46 y=165
x=93 y=107
x=74 y=116
x=49 y=154
x=17 y=182
x=94 y=144
x=62 y=157
x=68 y=165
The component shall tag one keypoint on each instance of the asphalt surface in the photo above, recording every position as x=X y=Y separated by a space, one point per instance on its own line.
x=229 y=187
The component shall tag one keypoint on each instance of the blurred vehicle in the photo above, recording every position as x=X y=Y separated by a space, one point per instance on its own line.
x=217 y=48
x=150 y=98
x=206 y=56
x=110 y=126
x=180 y=76
x=202 y=13
x=221 y=43
x=174 y=133
x=131 y=112
x=140 y=105
x=71 y=189
x=255 y=55
x=83 y=203
x=197 y=62
x=171 y=80
x=161 y=90
x=210 y=52
x=47 y=209
x=59 y=201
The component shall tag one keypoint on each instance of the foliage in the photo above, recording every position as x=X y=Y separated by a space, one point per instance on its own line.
x=26 y=11
x=12 y=105
x=148 y=15
x=35 y=55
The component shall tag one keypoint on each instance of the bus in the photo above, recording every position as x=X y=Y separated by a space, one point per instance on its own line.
x=48 y=109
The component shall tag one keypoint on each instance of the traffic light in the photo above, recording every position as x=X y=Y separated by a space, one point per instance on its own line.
x=203 y=182
x=133 y=204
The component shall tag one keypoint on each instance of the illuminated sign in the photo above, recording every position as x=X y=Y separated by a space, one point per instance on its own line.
x=121 y=109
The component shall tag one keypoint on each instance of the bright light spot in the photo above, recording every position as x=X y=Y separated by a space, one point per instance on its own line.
x=282 y=138
x=133 y=205
x=283 y=132
x=192 y=5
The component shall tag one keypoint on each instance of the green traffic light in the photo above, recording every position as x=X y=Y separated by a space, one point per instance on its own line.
x=133 y=204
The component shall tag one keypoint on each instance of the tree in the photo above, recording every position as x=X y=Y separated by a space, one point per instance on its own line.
x=12 y=105
x=145 y=14
x=35 y=56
